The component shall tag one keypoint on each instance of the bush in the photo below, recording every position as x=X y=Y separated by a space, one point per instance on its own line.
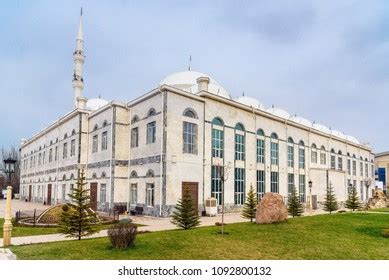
x=65 y=208
x=125 y=221
x=219 y=224
x=385 y=233
x=122 y=235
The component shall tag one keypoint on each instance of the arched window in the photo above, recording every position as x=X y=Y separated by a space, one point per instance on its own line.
x=340 y=160
x=260 y=146
x=239 y=142
x=348 y=154
x=217 y=138
x=333 y=160
x=51 y=142
x=133 y=174
x=150 y=173
x=151 y=112
x=190 y=113
x=313 y=153
x=95 y=127
x=64 y=177
x=73 y=132
x=56 y=140
x=103 y=175
x=301 y=154
x=94 y=176
x=65 y=136
x=105 y=123
x=323 y=157
x=290 y=140
x=274 y=149
x=71 y=176
x=135 y=119
x=290 y=151
x=260 y=132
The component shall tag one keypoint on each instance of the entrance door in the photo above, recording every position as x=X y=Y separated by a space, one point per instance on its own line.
x=29 y=193
x=48 y=202
x=193 y=188
x=93 y=196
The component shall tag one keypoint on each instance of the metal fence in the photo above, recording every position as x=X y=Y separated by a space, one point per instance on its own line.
x=28 y=216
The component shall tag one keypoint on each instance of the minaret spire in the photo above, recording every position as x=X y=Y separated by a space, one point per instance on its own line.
x=79 y=59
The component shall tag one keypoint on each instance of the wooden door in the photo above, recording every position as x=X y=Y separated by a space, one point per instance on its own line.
x=193 y=188
x=93 y=196
x=48 y=202
x=29 y=193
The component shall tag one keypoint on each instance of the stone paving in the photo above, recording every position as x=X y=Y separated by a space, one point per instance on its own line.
x=21 y=205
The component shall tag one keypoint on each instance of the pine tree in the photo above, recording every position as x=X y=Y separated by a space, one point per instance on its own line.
x=250 y=206
x=185 y=216
x=79 y=220
x=295 y=208
x=352 y=201
x=330 y=203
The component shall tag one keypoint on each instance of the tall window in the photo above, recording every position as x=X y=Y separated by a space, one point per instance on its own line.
x=239 y=142
x=290 y=184
x=260 y=184
x=302 y=188
x=44 y=157
x=349 y=166
x=354 y=168
x=104 y=141
x=216 y=183
x=366 y=170
x=56 y=153
x=65 y=150
x=314 y=153
x=361 y=192
x=323 y=157
x=260 y=146
x=217 y=138
x=149 y=194
x=103 y=193
x=361 y=169
x=290 y=152
x=274 y=182
x=239 y=186
x=151 y=131
x=274 y=149
x=333 y=163
x=340 y=161
x=63 y=192
x=134 y=194
x=301 y=155
x=134 y=137
x=50 y=155
x=39 y=159
x=72 y=147
x=95 y=144
x=190 y=138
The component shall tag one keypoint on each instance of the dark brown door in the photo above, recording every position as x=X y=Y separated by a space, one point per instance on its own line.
x=193 y=188
x=29 y=193
x=48 y=202
x=93 y=196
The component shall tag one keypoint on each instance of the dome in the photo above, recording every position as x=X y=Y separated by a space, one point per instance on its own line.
x=186 y=80
x=95 y=103
x=249 y=101
x=352 y=139
x=278 y=112
x=301 y=121
x=321 y=128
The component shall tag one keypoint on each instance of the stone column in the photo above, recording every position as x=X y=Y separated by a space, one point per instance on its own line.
x=7 y=229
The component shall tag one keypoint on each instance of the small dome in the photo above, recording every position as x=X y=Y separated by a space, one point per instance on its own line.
x=249 y=101
x=186 y=80
x=301 y=121
x=338 y=134
x=321 y=128
x=278 y=112
x=352 y=139
x=95 y=103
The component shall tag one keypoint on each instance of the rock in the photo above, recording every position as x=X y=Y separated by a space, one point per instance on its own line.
x=271 y=209
x=378 y=200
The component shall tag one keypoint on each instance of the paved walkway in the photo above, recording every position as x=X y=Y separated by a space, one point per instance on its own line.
x=21 y=205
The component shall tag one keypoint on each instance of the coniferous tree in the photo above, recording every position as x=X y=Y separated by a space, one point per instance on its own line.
x=185 y=215
x=330 y=203
x=295 y=208
x=79 y=220
x=250 y=206
x=352 y=201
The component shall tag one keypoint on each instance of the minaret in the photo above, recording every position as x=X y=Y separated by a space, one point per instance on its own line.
x=79 y=59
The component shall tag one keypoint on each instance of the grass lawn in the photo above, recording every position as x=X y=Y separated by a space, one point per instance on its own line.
x=379 y=210
x=336 y=236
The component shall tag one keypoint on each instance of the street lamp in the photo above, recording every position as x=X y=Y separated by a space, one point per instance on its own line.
x=9 y=169
x=310 y=197
x=367 y=184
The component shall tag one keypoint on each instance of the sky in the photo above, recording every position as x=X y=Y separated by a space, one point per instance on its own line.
x=327 y=61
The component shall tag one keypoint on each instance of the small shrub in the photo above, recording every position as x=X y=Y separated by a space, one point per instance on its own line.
x=385 y=233
x=342 y=211
x=125 y=221
x=122 y=235
x=65 y=208
x=219 y=224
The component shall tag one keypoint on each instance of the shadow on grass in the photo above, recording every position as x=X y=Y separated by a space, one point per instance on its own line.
x=371 y=231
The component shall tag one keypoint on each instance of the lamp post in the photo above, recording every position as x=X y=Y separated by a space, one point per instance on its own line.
x=9 y=169
x=310 y=197
x=367 y=184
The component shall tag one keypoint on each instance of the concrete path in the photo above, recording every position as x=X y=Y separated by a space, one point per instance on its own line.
x=22 y=206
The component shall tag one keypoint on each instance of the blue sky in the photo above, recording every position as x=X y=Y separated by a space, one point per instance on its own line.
x=327 y=61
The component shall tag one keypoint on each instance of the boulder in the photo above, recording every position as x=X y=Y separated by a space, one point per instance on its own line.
x=378 y=200
x=271 y=209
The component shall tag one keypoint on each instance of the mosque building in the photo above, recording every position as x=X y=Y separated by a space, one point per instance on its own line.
x=188 y=132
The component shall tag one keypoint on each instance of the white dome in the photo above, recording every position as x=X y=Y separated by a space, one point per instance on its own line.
x=338 y=134
x=95 y=103
x=278 y=112
x=186 y=80
x=321 y=128
x=249 y=101
x=301 y=120
x=352 y=139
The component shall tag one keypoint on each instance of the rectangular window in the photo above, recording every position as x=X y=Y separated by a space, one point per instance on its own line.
x=73 y=148
x=216 y=183
x=340 y=163
x=260 y=151
x=95 y=143
x=217 y=143
x=301 y=157
x=56 y=154
x=65 y=150
x=134 y=194
x=290 y=156
x=366 y=170
x=361 y=169
x=149 y=194
x=333 y=163
x=354 y=168
x=63 y=191
x=239 y=186
x=190 y=138
x=323 y=158
x=104 y=141
x=349 y=167
x=302 y=188
x=43 y=158
x=274 y=153
x=274 y=182
x=361 y=191
x=314 y=156
x=239 y=147
x=290 y=184
x=260 y=184
x=151 y=130
x=103 y=193
x=39 y=159
x=134 y=137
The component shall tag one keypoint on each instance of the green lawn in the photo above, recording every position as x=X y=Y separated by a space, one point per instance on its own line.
x=336 y=236
x=379 y=210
